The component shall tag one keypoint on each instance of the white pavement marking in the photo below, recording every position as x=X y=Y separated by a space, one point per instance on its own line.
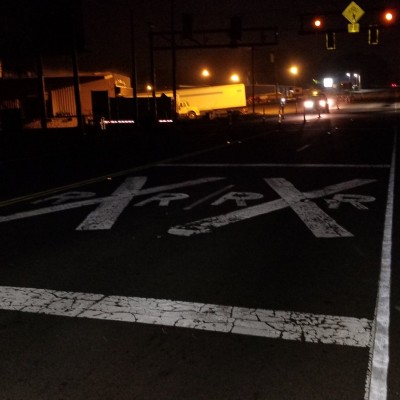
x=89 y=202
x=208 y=224
x=356 y=200
x=376 y=384
x=105 y=215
x=208 y=197
x=163 y=199
x=274 y=165
x=51 y=209
x=240 y=198
x=65 y=197
x=320 y=223
x=286 y=325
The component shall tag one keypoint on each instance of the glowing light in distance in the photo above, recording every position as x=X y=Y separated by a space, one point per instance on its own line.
x=308 y=104
x=389 y=16
x=328 y=82
x=317 y=23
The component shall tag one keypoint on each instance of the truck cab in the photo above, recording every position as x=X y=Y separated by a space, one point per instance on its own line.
x=185 y=110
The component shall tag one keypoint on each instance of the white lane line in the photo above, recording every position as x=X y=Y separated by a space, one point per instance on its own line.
x=207 y=225
x=286 y=325
x=376 y=384
x=274 y=165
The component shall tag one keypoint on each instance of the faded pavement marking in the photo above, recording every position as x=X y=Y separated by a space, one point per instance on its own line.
x=286 y=325
x=320 y=223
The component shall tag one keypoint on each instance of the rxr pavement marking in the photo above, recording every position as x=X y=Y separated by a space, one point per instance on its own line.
x=111 y=207
x=99 y=218
x=320 y=224
x=296 y=326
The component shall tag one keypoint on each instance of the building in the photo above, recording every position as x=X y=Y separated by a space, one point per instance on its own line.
x=21 y=98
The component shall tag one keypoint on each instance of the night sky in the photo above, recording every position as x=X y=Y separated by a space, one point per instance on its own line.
x=107 y=46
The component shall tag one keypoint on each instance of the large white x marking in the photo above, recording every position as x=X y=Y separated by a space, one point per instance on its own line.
x=320 y=224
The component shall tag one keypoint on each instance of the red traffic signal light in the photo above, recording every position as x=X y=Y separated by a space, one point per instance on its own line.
x=388 y=16
x=317 y=23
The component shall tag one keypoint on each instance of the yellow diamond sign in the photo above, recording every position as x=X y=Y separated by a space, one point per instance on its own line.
x=353 y=12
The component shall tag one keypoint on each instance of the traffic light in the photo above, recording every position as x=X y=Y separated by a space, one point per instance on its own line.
x=388 y=17
x=330 y=40
x=317 y=23
x=235 y=31
x=373 y=35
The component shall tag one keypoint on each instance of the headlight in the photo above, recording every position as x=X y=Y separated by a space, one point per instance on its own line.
x=322 y=103
x=331 y=102
x=308 y=104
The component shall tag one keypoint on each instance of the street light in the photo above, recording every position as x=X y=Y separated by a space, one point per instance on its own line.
x=294 y=70
x=235 y=78
x=205 y=73
x=358 y=80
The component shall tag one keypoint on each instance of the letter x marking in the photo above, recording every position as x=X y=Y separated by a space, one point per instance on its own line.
x=320 y=224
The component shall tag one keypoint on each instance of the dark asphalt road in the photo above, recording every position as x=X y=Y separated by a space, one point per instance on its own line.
x=264 y=241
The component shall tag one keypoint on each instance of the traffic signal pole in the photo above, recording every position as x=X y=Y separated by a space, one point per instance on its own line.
x=173 y=53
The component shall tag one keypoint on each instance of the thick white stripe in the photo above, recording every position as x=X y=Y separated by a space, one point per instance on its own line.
x=376 y=385
x=105 y=215
x=286 y=325
x=320 y=223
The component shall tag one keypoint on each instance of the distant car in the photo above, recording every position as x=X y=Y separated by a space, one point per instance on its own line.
x=316 y=102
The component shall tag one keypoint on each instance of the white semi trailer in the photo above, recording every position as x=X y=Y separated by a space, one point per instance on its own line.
x=208 y=100
x=215 y=100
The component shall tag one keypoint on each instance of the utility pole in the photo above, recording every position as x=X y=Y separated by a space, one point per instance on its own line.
x=77 y=91
x=134 y=67
x=153 y=75
x=253 y=81
x=173 y=51
x=42 y=92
